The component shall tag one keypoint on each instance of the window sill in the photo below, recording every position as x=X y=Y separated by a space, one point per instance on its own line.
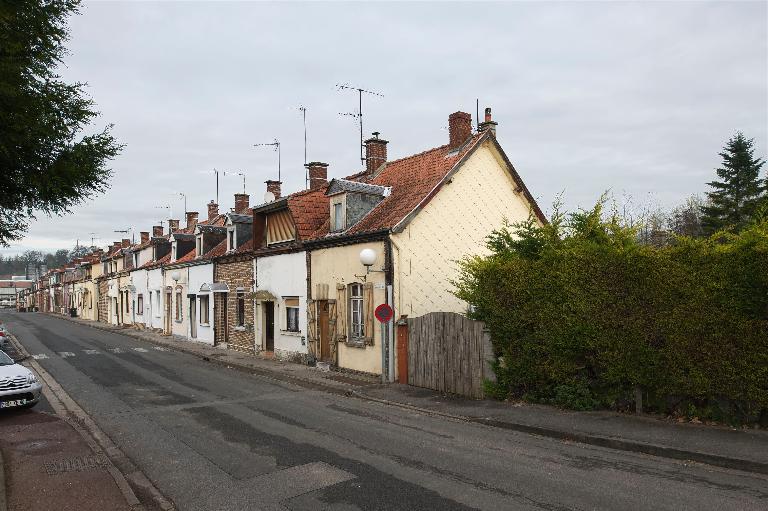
x=356 y=343
x=205 y=324
x=178 y=320
x=240 y=328
x=291 y=333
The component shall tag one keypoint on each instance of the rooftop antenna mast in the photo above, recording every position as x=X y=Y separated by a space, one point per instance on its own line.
x=276 y=145
x=168 y=207
x=182 y=194
x=217 y=184
x=359 y=114
x=242 y=174
x=93 y=237
x=126 y=231
x=303 y=111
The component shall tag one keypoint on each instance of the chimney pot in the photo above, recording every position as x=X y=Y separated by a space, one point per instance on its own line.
x=173 y=226
x=375 y=153
x=157 y=231
x=318 y=174
x=489 y=124
x=241 y=203
x=213 y=211
x=191 y=220
x=274 y=187
x=126 y=243
x=459 y=129
x=144 y=236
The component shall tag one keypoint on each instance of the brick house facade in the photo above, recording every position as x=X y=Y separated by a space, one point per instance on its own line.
x=233 y=310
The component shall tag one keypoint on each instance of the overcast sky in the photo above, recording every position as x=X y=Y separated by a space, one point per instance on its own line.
x=637 y=98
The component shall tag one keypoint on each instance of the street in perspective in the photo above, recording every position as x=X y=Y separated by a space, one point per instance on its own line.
x=383 y=256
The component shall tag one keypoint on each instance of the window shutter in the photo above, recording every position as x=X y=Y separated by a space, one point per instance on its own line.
x=311 y=328
x=332 y=329
x=341 y=313
x=368 y=312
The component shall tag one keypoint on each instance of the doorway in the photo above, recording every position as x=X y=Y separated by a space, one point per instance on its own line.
x=269 y=326
x=193 y=316
x=168 y=308
x=325 y=334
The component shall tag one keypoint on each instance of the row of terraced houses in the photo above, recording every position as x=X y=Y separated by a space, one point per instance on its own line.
x=285 y=279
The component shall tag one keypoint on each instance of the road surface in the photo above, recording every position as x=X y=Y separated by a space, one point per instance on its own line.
x=213 y=438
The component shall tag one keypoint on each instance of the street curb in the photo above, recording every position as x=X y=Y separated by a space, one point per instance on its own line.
x=69 y=411
x=584 y=438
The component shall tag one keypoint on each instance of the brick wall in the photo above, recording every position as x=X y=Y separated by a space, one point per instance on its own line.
x=236 y=274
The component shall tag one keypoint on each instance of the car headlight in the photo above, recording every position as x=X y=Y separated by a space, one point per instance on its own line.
x=31 y=378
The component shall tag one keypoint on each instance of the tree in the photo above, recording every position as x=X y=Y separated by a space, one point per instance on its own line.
x=48 y=164
x=685 y=219
x=739 y=192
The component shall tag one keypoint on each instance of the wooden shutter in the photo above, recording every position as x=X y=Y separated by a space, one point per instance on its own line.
x=368 y=312
x=341 y=313
x=311 y=328
x=332 y=329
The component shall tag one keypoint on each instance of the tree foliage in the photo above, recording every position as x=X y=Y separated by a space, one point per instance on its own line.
x=581 y=312
x=739 y=192
x=48 y=163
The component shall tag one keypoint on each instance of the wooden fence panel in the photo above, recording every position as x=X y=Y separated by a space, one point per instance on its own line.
x=449 y=353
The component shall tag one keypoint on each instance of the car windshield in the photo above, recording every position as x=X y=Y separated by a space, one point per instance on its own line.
x=5 y=360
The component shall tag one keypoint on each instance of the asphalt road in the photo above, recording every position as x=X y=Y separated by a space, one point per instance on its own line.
x=212 y=438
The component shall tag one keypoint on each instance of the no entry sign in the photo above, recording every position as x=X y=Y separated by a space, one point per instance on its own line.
x=383 y=313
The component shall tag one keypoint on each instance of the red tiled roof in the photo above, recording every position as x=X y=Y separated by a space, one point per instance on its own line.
x=152 y=264
x=189 y=256
x=245 y=247
x=218 y=250
x=309 y=209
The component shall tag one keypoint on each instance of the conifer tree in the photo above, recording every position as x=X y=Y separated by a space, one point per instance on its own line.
x=738 y=192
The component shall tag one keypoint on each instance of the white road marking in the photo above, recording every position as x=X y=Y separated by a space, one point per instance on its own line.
x=117 y=350
x=160 y=348
x=92 y=352
x=140 y=350
x=66 y=354
x=41 y=356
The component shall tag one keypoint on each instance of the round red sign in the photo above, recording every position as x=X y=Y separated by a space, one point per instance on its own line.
x=383 y=313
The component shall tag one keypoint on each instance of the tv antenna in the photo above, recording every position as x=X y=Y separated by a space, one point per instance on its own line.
x=303 y=111
x=168 y=207
x=359 y=114
x=182 y=194
x=276 y=145
x=93 y=237
x=126 y=231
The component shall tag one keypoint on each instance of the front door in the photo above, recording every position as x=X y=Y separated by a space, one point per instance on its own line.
x=193 y=317
x=168 y=308
x=269 y=326
x=325 y=334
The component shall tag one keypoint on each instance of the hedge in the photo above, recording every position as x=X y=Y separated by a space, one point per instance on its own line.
x=581 y=315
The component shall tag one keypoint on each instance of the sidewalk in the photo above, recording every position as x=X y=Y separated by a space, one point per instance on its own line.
x=48 y=465
x=720 y=446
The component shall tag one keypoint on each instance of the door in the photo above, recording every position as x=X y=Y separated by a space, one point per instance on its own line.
x=325 y=334
x=269 y=325
x=168 y=305
x=193 y=317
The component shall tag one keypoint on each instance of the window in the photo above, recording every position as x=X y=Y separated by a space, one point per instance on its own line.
x=292 y=314
x=203 y=309
x=231 y=241
x=157 y=304
x=240 y=308
x=179 y=314
x=357 y=321
x=127 y=301
x=338 y=217
x=140 y=304
x=199 y=250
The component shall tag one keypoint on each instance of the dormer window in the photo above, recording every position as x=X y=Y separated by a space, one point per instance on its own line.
x=338 y=216
x=280 y=227
x=199 y=246
x=231 y=239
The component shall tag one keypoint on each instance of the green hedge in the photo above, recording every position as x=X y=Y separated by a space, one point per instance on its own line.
x=580 y=314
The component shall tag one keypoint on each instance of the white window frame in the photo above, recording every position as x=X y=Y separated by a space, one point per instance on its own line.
x=356 y=311
x=204 y=309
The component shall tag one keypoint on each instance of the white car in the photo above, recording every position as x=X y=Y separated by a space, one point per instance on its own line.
x=19 y=387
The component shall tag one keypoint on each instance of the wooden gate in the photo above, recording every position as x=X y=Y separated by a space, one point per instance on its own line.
x=449 y=353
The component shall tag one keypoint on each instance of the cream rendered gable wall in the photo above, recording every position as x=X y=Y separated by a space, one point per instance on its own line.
x=452 y=225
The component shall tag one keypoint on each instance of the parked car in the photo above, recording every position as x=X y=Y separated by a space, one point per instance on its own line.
x=19 y=387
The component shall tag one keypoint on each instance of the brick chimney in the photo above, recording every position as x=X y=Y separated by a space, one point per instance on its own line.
x=318 y=174
x=191 y=220
x=115 y=246
x=489 y=124
x=157 y=231
x=375 y=152
x=213 y=211
x=173 y=226
x=274 y=188
x=126 y=243
x=241 y=203
x=459 y=129
x=144 y=236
